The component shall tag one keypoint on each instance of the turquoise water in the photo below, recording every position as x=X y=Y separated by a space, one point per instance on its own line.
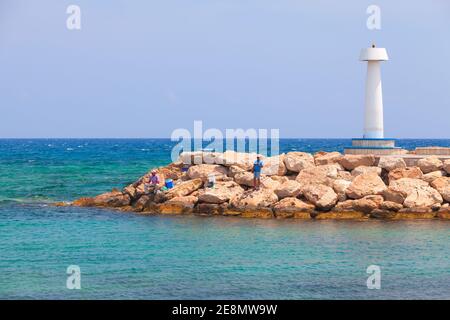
x=127 y=256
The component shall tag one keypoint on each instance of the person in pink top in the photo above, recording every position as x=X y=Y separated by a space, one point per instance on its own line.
x=153 y=182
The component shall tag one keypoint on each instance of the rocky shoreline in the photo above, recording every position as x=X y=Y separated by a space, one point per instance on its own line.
x=324 y=185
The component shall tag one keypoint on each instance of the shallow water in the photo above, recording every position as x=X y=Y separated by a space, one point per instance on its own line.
x=128 y=256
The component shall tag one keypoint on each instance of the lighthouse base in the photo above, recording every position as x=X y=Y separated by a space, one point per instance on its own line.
x=374 y=146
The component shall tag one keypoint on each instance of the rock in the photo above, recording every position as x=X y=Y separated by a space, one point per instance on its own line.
x=444 y=212
x=220 y=193
x=183 y=189
x=240 y=159
x=340 y=187
x=391 y=163
x=446 y=166
x=171 y=171
x=341 y=215
x=131 y=191
x=297 y=161
x=112 y=199
x=325 y=174
x=407 y=185
x=383 y=214
x=417 y=213
x=430 y=177
x=210 y=208
x=190 y=158
x=364 y=185
x=175 y=207
x=394 y=196
x=143 y=202
x=269 y=183
x=390 y=206
x=442 y=185
x=410 y=172
x=274 y=166
x=365 y=170
x=203 y=171
x=322 y=158
x=323 y=197
x=344 y=175
x=365 y=205
x=418 y=192
x=213 y=157
x=281 y=179
x=244 y=178
x=185 y=201
x=293 y=208
x=234 y=170
x=430 y=164
x=351 y=161
x=287 y=189
x=255 y=199
x=251 y=212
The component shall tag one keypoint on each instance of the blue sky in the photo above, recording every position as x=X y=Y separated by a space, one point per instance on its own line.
x=144 y=68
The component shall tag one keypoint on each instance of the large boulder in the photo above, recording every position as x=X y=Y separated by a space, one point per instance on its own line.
x=240 y=159
x=446 y=166
x=430 y=164
x=407 y=185
x=391 y=206
x=293 y=208
x=365 y=170
x=324 y=174
x=391 y=163
x=323 y=158
x=203 y=171
x=352 y=161
x=430 y=177
x=340 y=186
x=409 y=172
x=234 y=170
x=144 y=202
x=171 y=171
x=323 y=197
x=190 y=158
x=394 y=196
x=220 y=193
x=177 y=205
x=185 y=200
x=183 y=189
x=418 y=193
x=297 y=161
x=365 y=205
x=344 y=175
x=290 y=188
x=274 y=166
x=255 y=199
x=113 y=199
x=244 y=178
x=269 y=183
x=364 y=185
x=442 y=185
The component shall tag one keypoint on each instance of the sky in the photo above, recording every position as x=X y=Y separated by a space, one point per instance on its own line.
x=143 y=68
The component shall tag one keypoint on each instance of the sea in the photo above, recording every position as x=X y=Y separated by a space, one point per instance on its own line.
x=129 y=256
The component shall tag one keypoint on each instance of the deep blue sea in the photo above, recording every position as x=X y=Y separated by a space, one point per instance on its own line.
x=128 y=256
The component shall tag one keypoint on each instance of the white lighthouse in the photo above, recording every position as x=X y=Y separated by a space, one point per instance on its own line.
x=373 y=140
x=373 y=118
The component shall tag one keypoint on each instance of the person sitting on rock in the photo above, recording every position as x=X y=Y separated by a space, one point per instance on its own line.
x=257 y=166
x=153 y=182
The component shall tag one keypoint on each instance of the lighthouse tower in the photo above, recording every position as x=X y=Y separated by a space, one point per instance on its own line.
x=373 y=118
x=373 y=141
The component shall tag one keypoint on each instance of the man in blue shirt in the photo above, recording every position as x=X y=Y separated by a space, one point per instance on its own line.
x=257 y=166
